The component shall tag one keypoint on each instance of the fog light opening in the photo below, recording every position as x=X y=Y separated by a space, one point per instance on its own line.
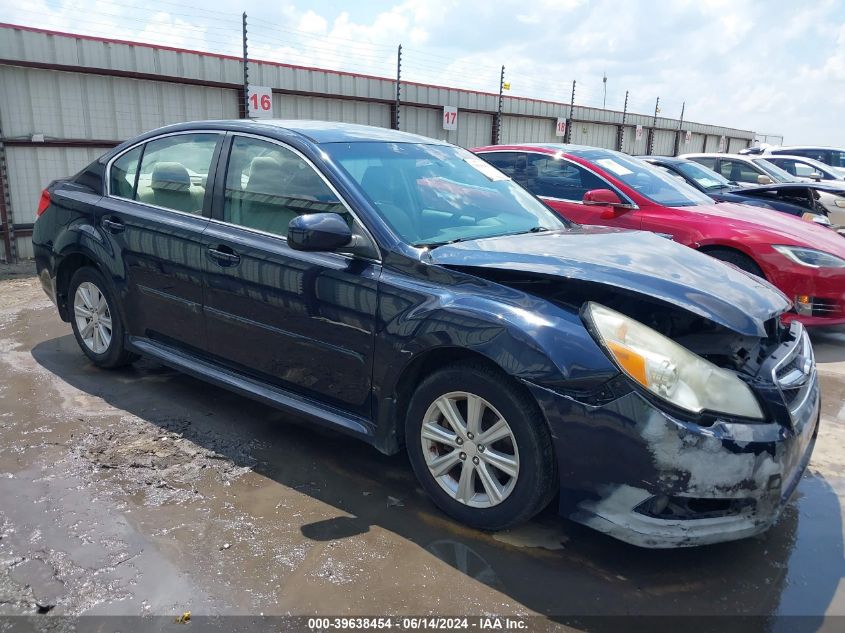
x=685 y=508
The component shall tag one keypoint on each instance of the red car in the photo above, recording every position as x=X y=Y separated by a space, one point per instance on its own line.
x=597 y=186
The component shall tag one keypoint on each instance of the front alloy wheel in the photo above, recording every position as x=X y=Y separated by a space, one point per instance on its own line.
x=470 y=449
x=480 y=446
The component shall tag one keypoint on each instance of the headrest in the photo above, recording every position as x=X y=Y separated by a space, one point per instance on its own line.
x=265 y=176
x=377 y=183
x=170 y=176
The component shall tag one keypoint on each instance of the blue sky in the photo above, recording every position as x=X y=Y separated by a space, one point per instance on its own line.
x=773 y=67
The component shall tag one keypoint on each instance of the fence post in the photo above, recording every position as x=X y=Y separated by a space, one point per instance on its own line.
x=398 y=88
x=679 y=130
x=497 y=123
x=620 y=131
x=246 y=72
x=568 y=135
x=653 y=131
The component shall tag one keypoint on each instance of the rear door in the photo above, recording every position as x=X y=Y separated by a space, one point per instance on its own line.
x=154 y=215
x=304 y=321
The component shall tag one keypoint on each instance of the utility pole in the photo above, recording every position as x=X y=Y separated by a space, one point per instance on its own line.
x=398 y=87
x=653 y=131
x=604 y=98
x=568 y=137
x=497 y=135
x=680 y=130
x=620 y=131
x=246 y=72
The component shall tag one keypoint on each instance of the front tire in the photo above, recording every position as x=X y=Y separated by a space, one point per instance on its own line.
x=740 y=260
x=480 y=447
x=96 y=321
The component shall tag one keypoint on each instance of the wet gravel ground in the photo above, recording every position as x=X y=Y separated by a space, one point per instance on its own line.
x=144 y=491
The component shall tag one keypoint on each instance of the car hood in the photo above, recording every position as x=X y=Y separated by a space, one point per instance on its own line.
x=756 y=225
x=637 y=261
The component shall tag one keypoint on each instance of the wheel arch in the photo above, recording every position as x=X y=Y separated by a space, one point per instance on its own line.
x=719 y=245
x=423 y=364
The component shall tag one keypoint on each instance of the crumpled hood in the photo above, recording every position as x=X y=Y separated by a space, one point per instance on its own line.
x=641 y=262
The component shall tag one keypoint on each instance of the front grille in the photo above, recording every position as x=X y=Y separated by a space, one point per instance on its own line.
x=824 y=307
x=793 y=374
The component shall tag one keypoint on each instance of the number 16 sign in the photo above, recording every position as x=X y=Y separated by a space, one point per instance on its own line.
x=450 y=118
x=260 y=102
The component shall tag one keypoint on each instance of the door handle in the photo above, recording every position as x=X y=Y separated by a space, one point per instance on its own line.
x=113 y=225
x=224 y=255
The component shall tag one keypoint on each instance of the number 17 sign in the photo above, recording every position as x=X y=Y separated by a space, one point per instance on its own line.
x=450 y=118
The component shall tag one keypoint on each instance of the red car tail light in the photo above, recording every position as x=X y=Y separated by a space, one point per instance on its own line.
x=43 y=203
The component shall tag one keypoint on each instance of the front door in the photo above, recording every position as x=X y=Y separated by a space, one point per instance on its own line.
x=304 y=321
x=153 y=218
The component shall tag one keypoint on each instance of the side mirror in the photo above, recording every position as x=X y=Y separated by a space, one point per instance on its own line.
x=318 y=232
x=606 y=198
x=764 y=180
x=816 y=176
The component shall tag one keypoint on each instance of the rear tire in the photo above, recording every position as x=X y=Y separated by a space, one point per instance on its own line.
x=96 y=321
x=740 y=260
x=480 y=447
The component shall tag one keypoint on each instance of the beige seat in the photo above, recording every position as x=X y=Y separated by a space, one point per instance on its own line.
x=170 y=187
x=265 y=196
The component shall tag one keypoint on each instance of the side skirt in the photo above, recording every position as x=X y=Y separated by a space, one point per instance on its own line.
x=313 y=411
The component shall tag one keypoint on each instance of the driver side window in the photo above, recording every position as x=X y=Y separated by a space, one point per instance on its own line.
x=268 y=185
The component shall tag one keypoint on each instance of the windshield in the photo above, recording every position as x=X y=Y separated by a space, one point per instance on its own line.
x=647 y=180
x=707 y=179
x=436 y=194
x=777 y=174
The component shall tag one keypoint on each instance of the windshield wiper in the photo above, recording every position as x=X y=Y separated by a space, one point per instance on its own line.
x=533 y=229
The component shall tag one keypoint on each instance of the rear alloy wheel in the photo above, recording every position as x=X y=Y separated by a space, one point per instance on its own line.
x=95 y=320
x=480 y=447
x=93 y=317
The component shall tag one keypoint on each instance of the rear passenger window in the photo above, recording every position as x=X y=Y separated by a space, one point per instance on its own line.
x=174 y=171
x=268 y=185
x=123 y=173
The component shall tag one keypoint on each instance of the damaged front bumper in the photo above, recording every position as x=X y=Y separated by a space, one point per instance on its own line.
x=639 y=474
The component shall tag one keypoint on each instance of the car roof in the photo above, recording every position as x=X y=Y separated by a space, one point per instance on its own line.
x=746 y=157
x=318 y=132
x=550 y=148
x=664 y=159
x=781 y=148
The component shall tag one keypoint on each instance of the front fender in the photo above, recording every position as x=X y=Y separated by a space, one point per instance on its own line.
x=529 y=338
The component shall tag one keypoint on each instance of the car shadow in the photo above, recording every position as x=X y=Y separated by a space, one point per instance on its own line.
x=828 y=344
x=552 y=566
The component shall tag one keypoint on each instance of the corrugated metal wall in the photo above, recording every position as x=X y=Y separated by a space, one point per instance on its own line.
x=59 y=90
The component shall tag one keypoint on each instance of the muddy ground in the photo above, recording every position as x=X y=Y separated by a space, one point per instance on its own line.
x=144 y=491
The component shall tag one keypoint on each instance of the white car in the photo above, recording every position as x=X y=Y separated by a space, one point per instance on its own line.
x=744 y=169
x=750 y=169
x=832 y=156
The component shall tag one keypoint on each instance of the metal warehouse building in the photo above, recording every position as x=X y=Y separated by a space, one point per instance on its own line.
x=65 y=99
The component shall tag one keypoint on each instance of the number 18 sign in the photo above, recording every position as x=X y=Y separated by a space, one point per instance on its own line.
x=450 y=118
x=560 y=128
x=260 y=102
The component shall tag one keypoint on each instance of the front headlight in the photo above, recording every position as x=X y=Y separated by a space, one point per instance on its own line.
x=839 y=202
x=810 y=257
x=669 y=370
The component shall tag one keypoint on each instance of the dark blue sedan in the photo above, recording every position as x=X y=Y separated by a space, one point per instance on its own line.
x=405 y=292
x=795 y=198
